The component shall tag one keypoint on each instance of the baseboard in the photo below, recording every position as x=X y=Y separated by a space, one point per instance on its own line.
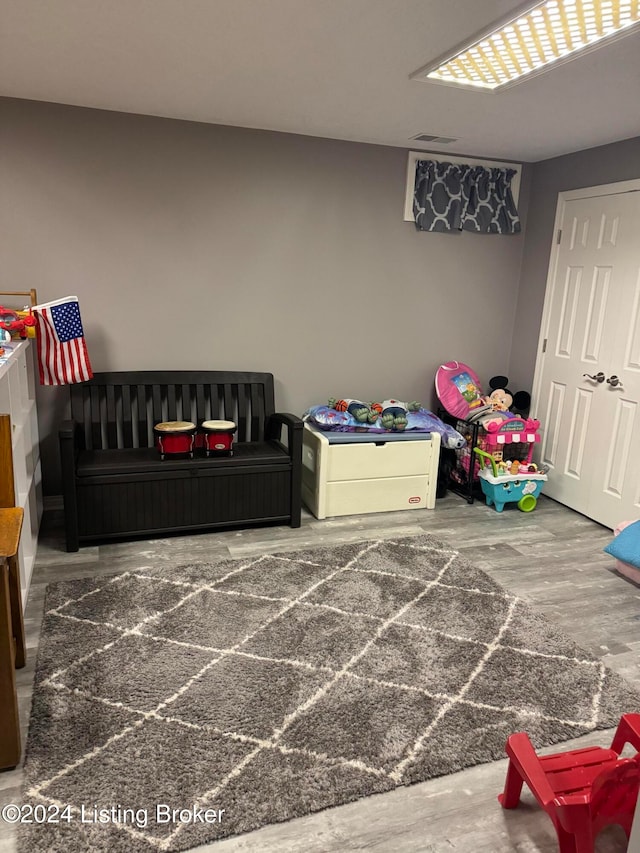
x=51 y=503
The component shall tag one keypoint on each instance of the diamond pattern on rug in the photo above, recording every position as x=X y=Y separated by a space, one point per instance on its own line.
x=406 y=559
x=276 y=686
x=468 y=732
x=137 y=672
x=371 y=724
x=527 y=687
x=212 y=619
x=460 y=613
x=376 y=594
x=531 y=630
x=58 y=733
x=126 y=602
x=182 y=764
x=420 y=659
x=313 y=635
x=279 y=577
x=247 y=695
x=299 y=784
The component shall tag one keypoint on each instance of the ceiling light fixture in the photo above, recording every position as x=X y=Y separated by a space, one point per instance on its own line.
x=530 y=40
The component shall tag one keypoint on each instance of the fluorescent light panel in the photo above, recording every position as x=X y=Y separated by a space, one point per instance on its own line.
x=547 y=33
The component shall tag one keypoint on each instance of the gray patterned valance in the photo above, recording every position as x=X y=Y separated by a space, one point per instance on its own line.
x=458 y=197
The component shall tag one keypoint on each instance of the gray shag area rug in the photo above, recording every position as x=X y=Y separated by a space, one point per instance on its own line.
x=176 y=706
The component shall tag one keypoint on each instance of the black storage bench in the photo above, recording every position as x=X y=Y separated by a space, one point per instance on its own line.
x=116 y=485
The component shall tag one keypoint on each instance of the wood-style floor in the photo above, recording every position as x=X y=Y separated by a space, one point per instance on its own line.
x=552 y=557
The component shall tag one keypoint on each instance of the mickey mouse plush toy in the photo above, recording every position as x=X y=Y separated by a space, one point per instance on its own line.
x=502 y=400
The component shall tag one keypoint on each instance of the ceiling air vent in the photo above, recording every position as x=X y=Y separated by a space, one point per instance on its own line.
x=427 y=137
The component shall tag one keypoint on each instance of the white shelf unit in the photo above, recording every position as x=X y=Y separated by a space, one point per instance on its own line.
x=18 y=400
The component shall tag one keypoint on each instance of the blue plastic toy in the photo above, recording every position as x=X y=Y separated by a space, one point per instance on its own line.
x=500 y=489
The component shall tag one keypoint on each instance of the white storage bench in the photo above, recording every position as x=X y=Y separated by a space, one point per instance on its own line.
x=352 y=473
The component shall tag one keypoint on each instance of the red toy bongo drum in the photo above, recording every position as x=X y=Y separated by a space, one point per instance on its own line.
x=218 y=437
x=175 y=438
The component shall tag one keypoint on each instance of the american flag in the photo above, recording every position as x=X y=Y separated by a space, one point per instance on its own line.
x=62 y=351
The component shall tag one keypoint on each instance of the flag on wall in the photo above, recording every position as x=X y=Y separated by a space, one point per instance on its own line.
x=62 y=351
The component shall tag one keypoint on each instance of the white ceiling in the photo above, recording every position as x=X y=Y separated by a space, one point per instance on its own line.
x=334 y=68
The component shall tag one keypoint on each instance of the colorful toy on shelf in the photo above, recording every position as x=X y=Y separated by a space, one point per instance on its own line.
x=393 y=413
x=5 y=338
x=362 y=412
x=328 y=419
x=458 y=389
x=21 y=324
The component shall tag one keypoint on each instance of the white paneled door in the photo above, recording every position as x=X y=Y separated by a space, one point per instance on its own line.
x=587 y=385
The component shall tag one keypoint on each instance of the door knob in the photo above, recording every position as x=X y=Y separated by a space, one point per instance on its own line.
x=614 y=381
x=599 y=377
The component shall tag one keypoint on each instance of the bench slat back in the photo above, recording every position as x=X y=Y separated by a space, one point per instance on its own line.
x=117 y=410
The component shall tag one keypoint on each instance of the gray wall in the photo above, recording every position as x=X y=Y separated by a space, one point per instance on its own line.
x=199 y=246
x=607 y=164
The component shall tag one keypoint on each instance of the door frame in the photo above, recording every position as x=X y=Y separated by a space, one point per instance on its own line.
x=563 y=198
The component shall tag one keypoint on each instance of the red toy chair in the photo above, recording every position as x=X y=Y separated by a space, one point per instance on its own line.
x=582 y=790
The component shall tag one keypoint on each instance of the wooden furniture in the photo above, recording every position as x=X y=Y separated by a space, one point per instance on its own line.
x=12 y=645
x=373 y=473
x=116 y=485
x=20 y=512
x=21 y=477
x=30 y=294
